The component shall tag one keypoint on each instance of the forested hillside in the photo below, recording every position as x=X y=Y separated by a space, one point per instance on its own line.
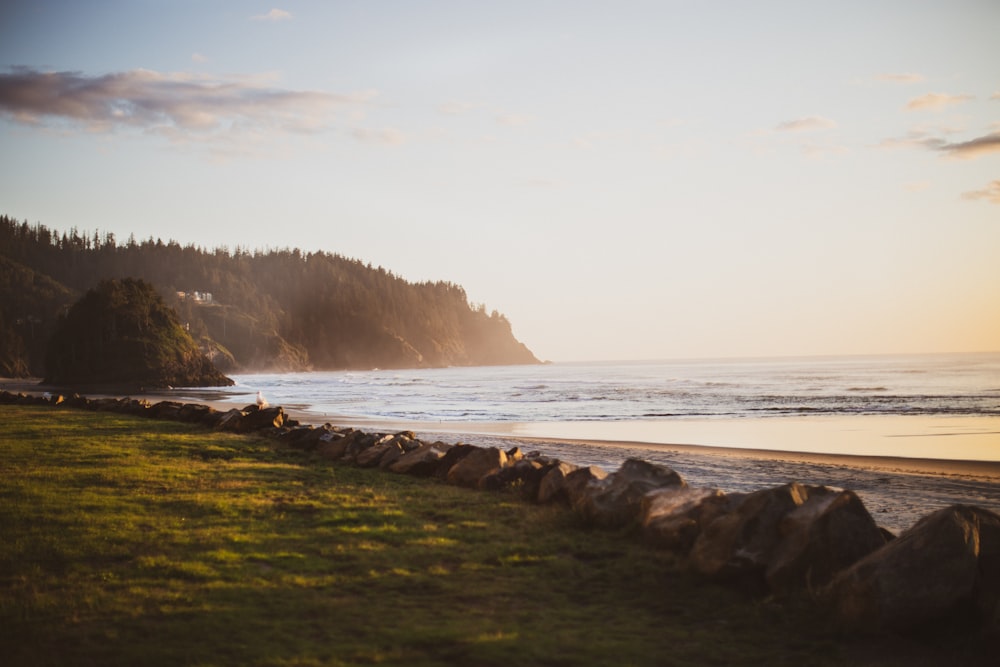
x=249 y=310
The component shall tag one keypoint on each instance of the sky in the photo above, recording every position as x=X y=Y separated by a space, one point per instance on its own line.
x=626 y=180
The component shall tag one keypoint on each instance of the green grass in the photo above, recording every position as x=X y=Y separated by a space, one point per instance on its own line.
x=125 y=541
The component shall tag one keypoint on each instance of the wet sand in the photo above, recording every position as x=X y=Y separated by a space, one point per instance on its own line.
x=898 y=491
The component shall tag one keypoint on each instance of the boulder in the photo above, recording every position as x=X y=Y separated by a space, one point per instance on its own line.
x=673 y=517
x=165 y=410
x=451 y=459
x=525 y=475
x=616 y=500
x=943 y=570
x=229 y=421
x=332 y=445
x=261 y=418
x=476 y=465
x=193 y=413
x=553 y=484
x=422 y=461
x=579 y=480
x=394 y=453
x=738 y=544
x=359 y=441
x=822 y=536
x=371 y=456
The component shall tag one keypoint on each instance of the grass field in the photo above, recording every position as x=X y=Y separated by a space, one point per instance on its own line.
x=125 y=541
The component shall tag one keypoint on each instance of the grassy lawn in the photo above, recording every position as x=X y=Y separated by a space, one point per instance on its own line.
x=125 y=541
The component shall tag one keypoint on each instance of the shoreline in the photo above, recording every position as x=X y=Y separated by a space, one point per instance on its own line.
x=897 y=491
x=507 y=432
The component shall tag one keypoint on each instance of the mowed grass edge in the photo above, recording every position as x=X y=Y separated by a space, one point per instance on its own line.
x=131 y=541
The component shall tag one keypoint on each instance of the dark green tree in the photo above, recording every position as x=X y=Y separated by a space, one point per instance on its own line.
x=121 y=333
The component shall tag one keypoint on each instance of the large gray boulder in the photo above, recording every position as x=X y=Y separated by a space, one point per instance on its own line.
x=523 y=475
x=256 y=419
x=946 y=567
x=423 y=461
x=739 y=544
x=477 y=465
x=579 y=481
x=451 y=459
x=673 y=517
x=553 y=485
x=616 y=500
x=824 y=535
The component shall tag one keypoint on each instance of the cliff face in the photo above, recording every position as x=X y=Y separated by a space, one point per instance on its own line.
x=279 y=311
x=122 y=334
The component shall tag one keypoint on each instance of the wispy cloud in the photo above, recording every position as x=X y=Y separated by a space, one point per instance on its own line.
x=995 y=96
x=273 y=15
x=158 y=102
x=977 y=147
x=990 y=193
x=902 y=77
x=936 y=101
x=807 y=124
x=199 y=58
x=973 y=148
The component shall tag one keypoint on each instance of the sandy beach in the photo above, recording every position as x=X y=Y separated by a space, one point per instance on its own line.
x=898 y=491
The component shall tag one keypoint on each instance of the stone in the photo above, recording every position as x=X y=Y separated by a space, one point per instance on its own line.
x=552 y=488
x=946 y=568
x=423 y=461
x=165 y=410
x=739 y=543
x=454 y=455
x=229 y=421
x=193 y=413
x=371 y=456
x=578 y=481
x=258 y=419
x=476 y=465
x=616 y=500
x=394 y=453
x=525 y=475
x=821 y=537
x=332 y=445
x=672 y=517
x=358 y=441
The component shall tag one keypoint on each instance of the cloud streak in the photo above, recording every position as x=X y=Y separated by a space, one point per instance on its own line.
x=990 y=193
x=273 y=15
x=936 y=101
x=973 y=148
x=808 y=124
x=172 y=104
x=977 y=147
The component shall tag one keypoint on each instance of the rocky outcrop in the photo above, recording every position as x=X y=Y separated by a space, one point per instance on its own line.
x=789 y=540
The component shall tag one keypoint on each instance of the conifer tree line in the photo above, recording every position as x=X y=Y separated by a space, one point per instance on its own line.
x=279 y=310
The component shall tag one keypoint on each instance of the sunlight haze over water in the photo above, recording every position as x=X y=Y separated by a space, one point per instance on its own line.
x=632 y=180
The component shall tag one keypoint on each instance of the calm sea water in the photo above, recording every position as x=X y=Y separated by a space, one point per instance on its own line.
x=933 y=406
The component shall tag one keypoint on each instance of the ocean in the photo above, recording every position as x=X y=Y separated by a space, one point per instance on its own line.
x=918 y=406
x=928 y=426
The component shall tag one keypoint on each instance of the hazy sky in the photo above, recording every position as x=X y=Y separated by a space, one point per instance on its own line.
x=622 y=179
